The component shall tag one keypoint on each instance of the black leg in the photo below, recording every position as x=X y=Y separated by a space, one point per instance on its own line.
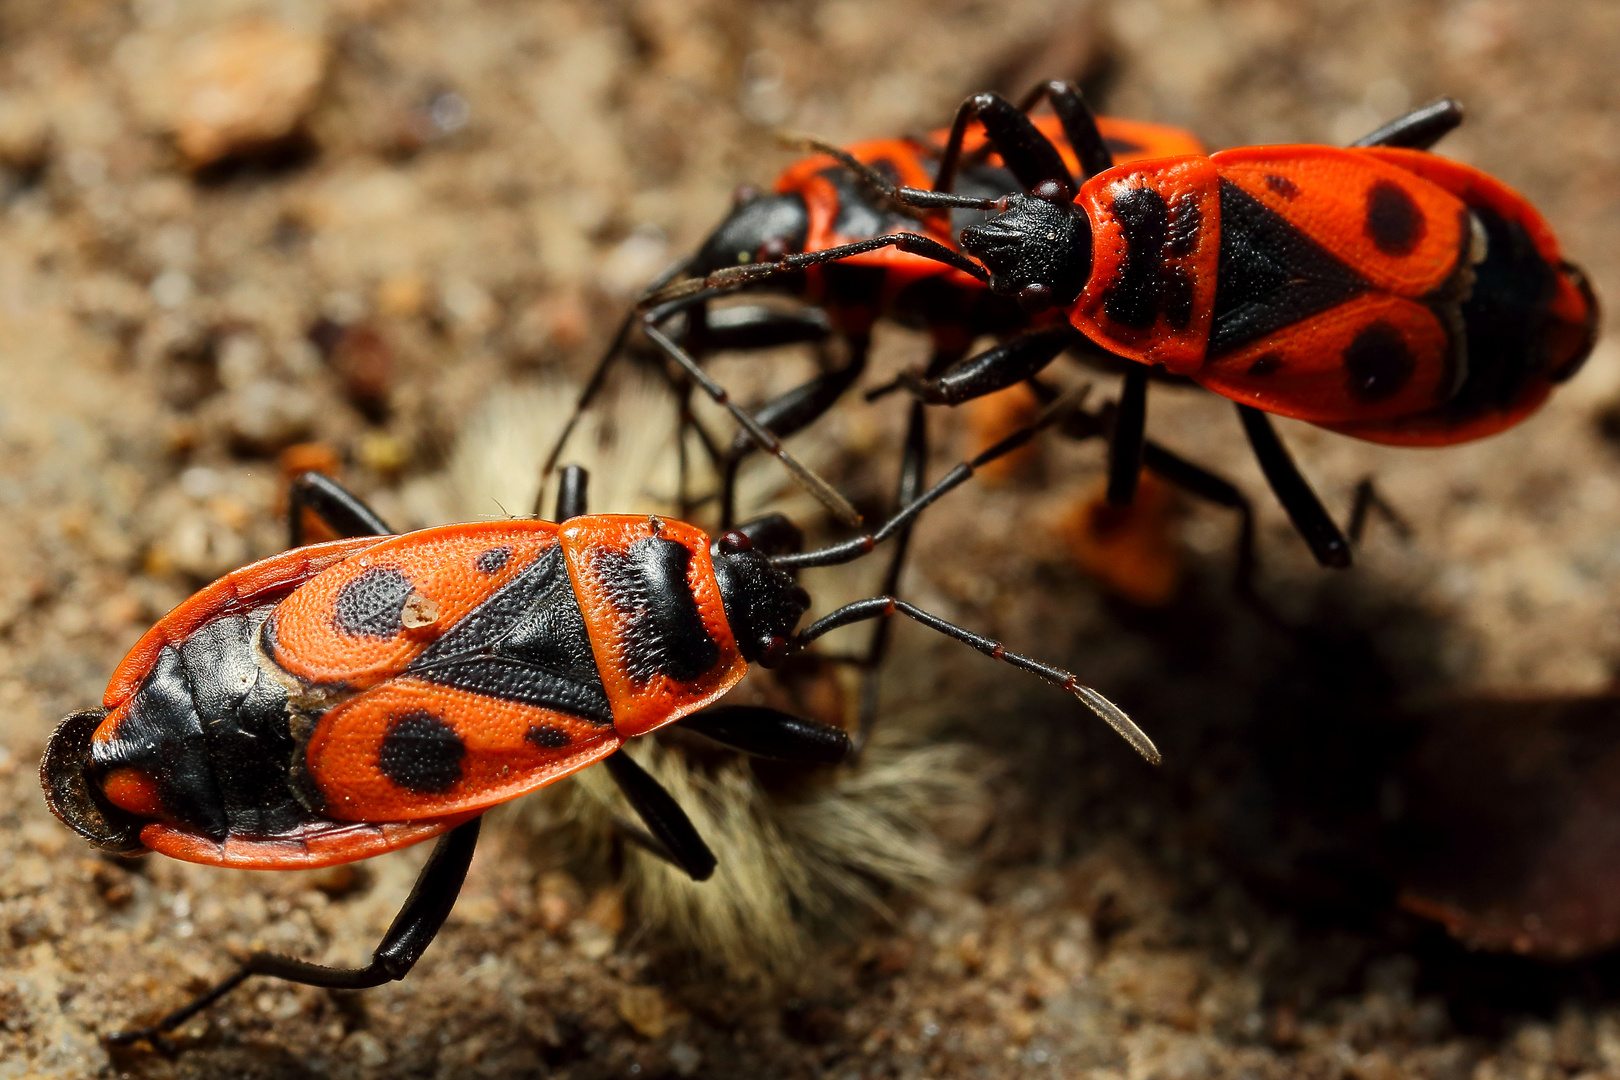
x=571 y=490
x=663 y=816
x=773 y=534
x=1130 y=431
x=742 y=326
x=1029 y=155
x=880 y=606
x=412 y=931
x=757 y=326
x=792 y=412
x=761 y=436
x=1193 y=479
x=1079 y=127
x=850 y=550
x=913 y=467
x=1305 y=510
x=770 y=733
x=340 y=510
x=1210 y=487
x=994 y=369
x=1368 y=498
x=1419 y=129
x=599 y=374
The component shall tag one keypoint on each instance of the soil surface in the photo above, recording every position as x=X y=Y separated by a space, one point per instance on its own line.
x=240 y=238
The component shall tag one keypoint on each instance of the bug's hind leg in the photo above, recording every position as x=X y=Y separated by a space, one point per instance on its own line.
x=1029 y=155
x=572 y=487
x=913 y=466
x=1419 y=129
x=1369 y=499
x=671 y=833
x=1305 y=510
x=413 y=930
x=1128 y=439
x=338 y=509
x=788 y=414
x=763 y=732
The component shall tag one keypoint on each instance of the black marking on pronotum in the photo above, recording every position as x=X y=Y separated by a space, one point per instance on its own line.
x=1270 y=275
x=421 y=753
x=491 y=561
x=370 y=604
x=1176 y=296
x=1185 y=221
x=1394 y=222
x=1377 y=364
x=526 y=643
x=1133 y=299
x=664 y=633
x=548 y=737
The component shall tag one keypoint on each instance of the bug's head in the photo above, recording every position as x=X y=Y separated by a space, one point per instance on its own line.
x=763 y=603
x=1038 y=249
x=74 y=790
x=760 y=228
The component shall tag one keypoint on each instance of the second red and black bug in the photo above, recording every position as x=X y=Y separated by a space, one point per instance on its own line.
x=1379 y=291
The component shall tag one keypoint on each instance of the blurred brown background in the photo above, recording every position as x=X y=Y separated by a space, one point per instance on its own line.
x=227 y=229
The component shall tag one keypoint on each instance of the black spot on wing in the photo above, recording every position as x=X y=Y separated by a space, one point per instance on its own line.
x=526 y=643
x=1270 y=275
x=1377 y=364
x=664 y=633
x=1269 y=364
x=370 y=604
x=489 y=562
x=1282 y=186
x=1394 y=222
x=1150 y=285
x=547 y=737
x=421 y=753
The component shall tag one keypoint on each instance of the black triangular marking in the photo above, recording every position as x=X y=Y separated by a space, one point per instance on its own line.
x=1270 y=274
x=526 y=643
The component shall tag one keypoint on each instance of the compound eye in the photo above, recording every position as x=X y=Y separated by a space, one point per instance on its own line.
x=1053 y=191
x=735 y=542
x=771 y=250
x=776 y=650
x=1035 y=298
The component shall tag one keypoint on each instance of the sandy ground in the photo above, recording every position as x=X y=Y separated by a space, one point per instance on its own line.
x=451 y=202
